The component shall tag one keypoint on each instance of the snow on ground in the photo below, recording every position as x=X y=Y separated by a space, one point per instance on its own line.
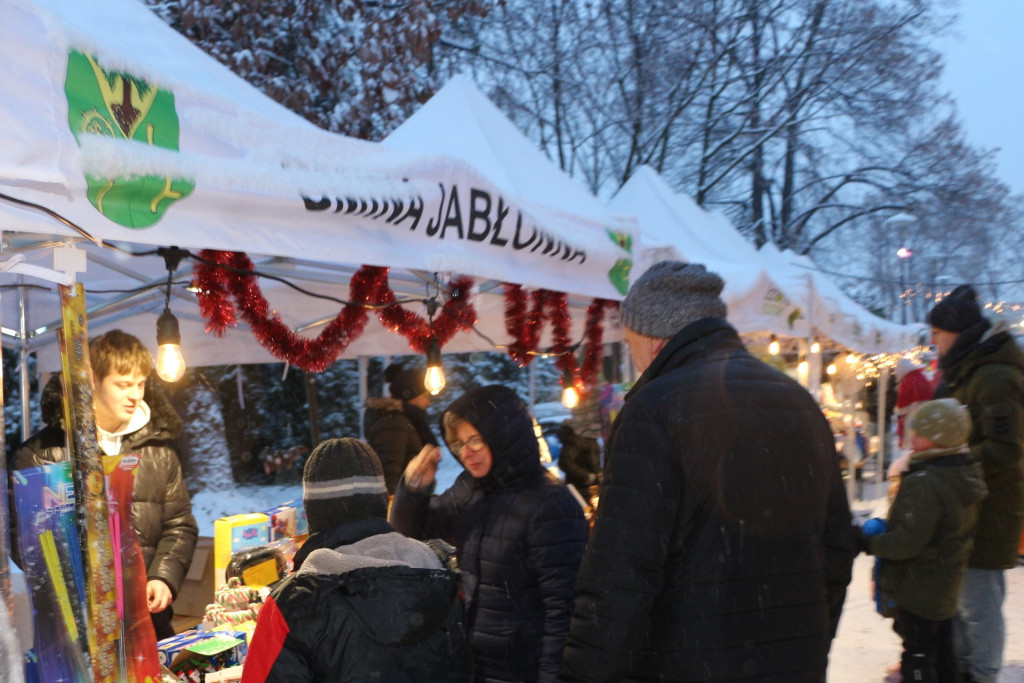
x=211 y=504
x=866 y=645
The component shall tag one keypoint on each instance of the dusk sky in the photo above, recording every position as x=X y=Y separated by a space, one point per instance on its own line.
x=984 y=74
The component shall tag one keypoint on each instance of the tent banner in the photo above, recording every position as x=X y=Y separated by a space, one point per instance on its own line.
x=120 y=125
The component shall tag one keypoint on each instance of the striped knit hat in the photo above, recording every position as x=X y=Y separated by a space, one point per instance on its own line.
x=342 y=482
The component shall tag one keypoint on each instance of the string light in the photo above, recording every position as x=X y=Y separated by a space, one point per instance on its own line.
x=773 y=346
x=170 y=363
x=831 y=369
x=815 y=347
x=434 y=381
x=570 y=395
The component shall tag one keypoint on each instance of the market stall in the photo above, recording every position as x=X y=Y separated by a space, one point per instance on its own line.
x=135 y=164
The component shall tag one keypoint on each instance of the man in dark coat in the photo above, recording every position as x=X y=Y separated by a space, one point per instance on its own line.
x=580 y=459
x=125 y=423
x=982 y=367
x=518 y=532
x=364 y=603
x=396 y=426
x=723 y=542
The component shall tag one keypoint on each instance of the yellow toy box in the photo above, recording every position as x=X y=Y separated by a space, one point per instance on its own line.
x=231 y=534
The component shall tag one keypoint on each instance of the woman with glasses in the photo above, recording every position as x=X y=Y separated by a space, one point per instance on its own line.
x=518 y=532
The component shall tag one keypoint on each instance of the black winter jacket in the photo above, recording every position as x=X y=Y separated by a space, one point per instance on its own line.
x=364 y=604
x=391 y=430
x=580 y=458
x=519 y=536
x=161 y=505
x=722 y=547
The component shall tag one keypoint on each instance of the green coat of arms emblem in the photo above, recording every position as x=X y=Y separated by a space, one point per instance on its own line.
x=120 y=105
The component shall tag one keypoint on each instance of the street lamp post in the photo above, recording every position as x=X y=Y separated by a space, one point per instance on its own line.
x=904 y=255
x=900 y=221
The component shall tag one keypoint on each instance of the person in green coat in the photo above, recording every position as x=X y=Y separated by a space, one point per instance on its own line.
x=928 y=539
x=984 y=369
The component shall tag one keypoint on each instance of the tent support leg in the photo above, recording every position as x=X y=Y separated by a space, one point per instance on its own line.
x=363 y=364
x=26 y=417
x=314 y=411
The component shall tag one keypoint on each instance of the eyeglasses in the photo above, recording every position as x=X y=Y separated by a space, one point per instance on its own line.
x=474 y=443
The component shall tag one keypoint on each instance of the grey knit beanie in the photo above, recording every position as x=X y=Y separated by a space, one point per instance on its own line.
x=342 y=482
x=944 y=421
x=670 y=296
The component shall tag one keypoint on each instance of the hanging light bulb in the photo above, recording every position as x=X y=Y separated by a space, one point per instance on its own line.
x=570 y=395
x=831 y=369
x=815 y=347
x=434 y=380
x=773 y=346
x=803 y=368
x=851 y=359
x=170 y=364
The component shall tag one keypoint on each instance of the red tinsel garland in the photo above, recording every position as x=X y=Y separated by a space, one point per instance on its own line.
x=525 y=314
x=524 y=328
x=593 y=350
x=369 y=285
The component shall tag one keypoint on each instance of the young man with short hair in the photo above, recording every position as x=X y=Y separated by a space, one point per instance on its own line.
x=126 y=423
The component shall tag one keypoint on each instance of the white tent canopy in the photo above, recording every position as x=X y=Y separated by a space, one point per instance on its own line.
x=766 y=291
x=108 y=91
x=672 y=226
x=459 y=121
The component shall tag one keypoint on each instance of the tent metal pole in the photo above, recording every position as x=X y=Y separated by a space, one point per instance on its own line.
x=309 y=379
x=533 y=388
x=363 y=363
x=883 y=428
x=26 y=418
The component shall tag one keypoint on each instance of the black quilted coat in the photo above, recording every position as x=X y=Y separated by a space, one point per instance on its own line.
x=722 y=547
x=161 y=505
x=519 y=535
x=364 y=604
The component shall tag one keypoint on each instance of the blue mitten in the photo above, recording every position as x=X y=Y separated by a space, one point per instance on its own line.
x=874 y=526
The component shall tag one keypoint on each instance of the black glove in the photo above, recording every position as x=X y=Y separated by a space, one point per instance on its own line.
x=860 y=541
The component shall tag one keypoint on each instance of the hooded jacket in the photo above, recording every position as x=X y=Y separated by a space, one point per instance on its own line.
x=364 y=604
x=984 y=370
x=161 y=506
x=723 y=546
x=519 y=536
x=396 y=431
x=930 y=533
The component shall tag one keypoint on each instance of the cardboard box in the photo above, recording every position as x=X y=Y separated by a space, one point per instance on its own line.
x=231 y=534
x=197 y=588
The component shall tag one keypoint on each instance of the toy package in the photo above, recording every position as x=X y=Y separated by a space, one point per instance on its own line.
x=193 y=654
x=44 y=498
x=138 y=635
x=287 y=520
x=231 y=534
x=263 y=565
